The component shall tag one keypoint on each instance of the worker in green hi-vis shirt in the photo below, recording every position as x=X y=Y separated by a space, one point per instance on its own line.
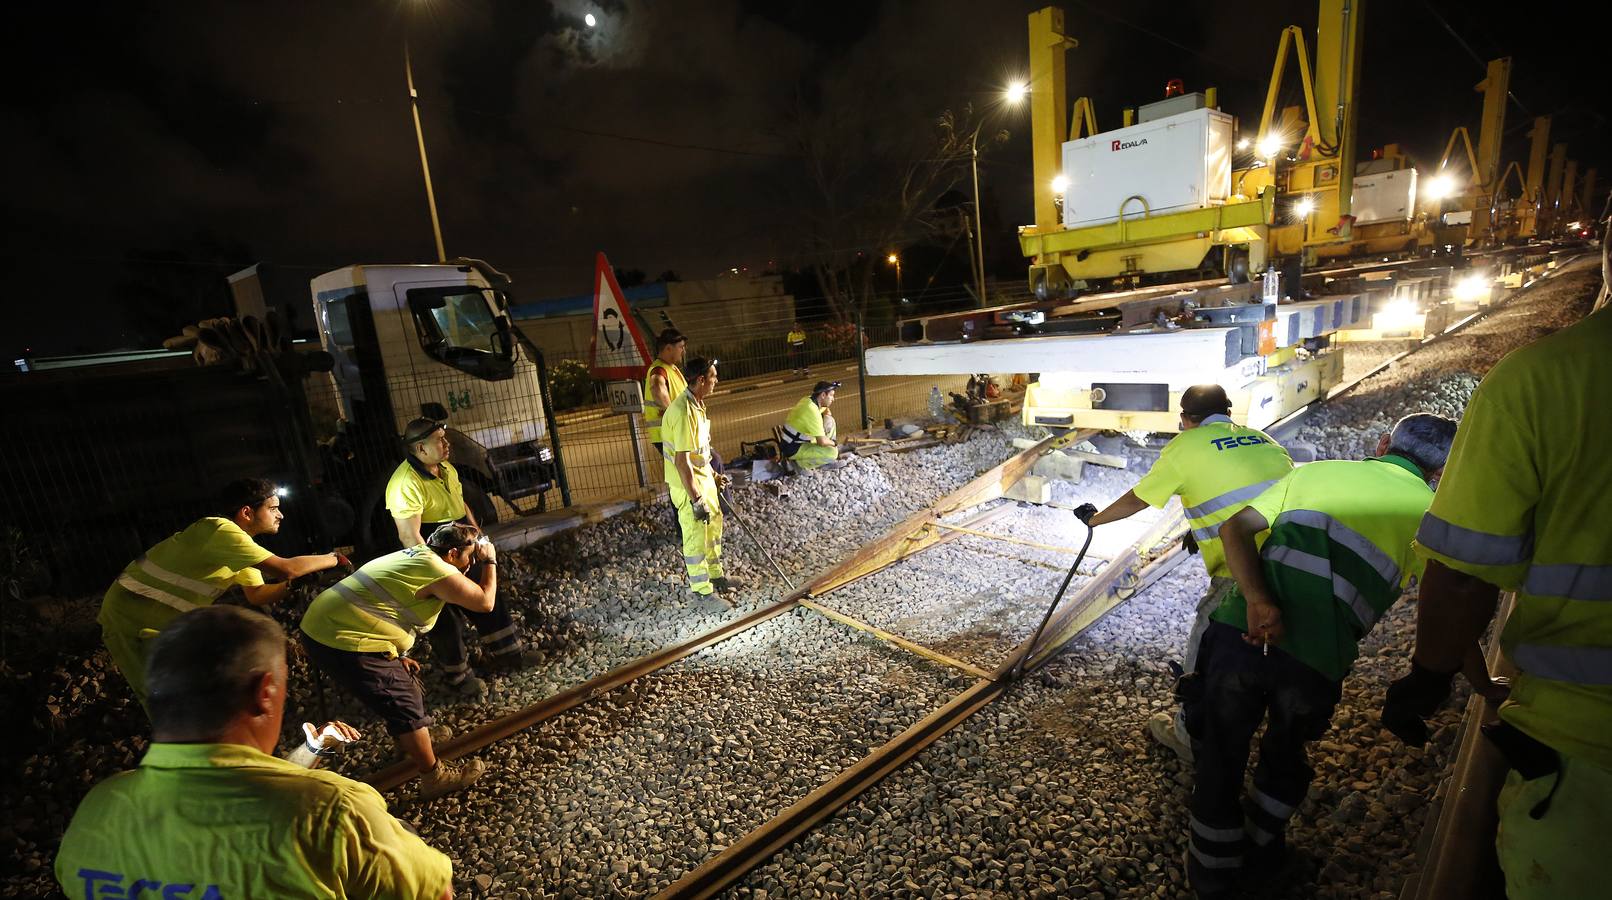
x=810 y=431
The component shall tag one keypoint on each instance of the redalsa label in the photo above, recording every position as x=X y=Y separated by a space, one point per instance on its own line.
x=1126 y=145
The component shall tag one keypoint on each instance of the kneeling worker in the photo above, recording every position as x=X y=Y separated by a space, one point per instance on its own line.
x=810 y=431
x=211 y=812
x=360 y=631
x=1215 y=466
x=1338 y=556
x=192 y=568
x=686 y=435
x=423 y=494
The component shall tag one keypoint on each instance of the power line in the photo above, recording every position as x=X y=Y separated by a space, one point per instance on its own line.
x=1483 y=63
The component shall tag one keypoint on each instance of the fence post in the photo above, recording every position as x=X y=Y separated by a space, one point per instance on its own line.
x=862 y=368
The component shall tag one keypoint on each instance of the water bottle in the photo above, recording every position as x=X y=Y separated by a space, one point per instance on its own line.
x=937 y=405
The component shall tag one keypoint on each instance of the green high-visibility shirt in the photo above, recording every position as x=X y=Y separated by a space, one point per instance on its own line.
x=188 y=570
x=226 y=821
x=412 y=491
x=686 y=429
x=377 y=608
x=1338 y=555
x=805 y=422
x=1216 y=468
x=1523 y=504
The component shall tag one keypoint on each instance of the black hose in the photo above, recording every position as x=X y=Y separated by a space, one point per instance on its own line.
x=1029 y=648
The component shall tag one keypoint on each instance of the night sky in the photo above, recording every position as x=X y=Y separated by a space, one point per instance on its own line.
x=151 y=149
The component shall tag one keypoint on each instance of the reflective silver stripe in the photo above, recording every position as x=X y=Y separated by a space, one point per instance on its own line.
x=1271 y=805
x=794 y=436
x=395 y=620
x=1350 y=595
x=1579 y=665
x=701 y=578
x=1229 y=498
x=1479 y=548
x=1259 y=836
x=136 y=586
x=1223 y=835
x=1294 y=558
x=1215 y=862
x=174 y=579
x=1571 y=581
x=670 y=456
x=1210 y=533
x=507 y=631
x=693 y=560
x=374 y=587
x=1348 y=537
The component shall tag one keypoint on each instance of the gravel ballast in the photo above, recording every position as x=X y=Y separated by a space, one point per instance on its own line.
x=1054 y=790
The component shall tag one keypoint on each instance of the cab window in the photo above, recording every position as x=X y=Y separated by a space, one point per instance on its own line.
x=460 y=327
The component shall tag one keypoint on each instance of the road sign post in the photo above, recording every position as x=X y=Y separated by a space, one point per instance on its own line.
x=628 y=397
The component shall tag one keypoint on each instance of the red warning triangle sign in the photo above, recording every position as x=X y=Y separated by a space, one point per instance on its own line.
x=618 y=349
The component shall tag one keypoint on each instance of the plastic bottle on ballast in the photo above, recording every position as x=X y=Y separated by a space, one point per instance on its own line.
x=937 y=403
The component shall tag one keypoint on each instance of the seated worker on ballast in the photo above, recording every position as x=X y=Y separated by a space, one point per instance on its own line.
x=211 y=813
x=192 y=568
x=810 y=430
x=1215 y=466
x=359 y=632
x=423 y=494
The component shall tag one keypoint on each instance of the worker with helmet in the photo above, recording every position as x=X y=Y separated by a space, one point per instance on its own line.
x=360 y=631
x=193 y=567
x=663 y=383
x=424 y=493
x=210 y=812
x=810 y=430
x=686 y=434
x=1215 y=466
x=1279 y=645
x=1522 y=507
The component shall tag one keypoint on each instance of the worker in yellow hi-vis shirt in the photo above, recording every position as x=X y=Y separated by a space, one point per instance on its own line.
x=796 y=339
x=663 y=383
x=212 y=814
x=810 y=431
x=1215 y=466
x=1523 y=507
x=686 y=432
x=192 y=568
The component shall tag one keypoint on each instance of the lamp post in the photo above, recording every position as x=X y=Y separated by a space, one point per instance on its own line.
x=425 y=164
x=894 y=259
x=1013 y=95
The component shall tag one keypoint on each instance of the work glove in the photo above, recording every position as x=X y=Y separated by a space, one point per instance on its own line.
x=722 y=482
x=1085 y=511
x=1189 y=543
x=702 y=513
x=1412 y=699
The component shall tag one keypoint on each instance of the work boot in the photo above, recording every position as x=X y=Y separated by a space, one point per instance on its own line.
x=513 y=661
x=448 y=777
x=727 y=585
x=1165 y=728
x=469 y=686
x=439 y=734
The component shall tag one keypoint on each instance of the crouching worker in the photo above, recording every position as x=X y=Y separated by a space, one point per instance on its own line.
x=1279 y=645
x=360 y=631
x=810 y=432
x=211 y=813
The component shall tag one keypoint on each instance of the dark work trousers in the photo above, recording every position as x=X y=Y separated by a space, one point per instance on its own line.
x=1241 y=687
x=496 y=629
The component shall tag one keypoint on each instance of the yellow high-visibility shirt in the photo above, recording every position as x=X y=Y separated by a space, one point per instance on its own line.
x=687 y=429
x=1216 y=468
x=226 y=821
x=675 y=384
x=797 y=338
x=377 y=608
x=188 y=570
x=1523 y=505
x=413 y=492
x=805 y=422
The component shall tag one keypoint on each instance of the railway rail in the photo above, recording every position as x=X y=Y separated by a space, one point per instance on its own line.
x=1120 y=577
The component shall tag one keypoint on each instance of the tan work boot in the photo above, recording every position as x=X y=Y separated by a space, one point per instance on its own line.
x=449 y=777
x=1164 y=728
x=440 y=734
x=469 y=686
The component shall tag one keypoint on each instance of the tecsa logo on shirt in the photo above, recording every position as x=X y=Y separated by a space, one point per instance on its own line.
x=1245 y=440
x=100 y=885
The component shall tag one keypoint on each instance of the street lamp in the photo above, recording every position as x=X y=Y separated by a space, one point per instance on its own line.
x=419 y=136
x=1015 y=93
x=895 y=260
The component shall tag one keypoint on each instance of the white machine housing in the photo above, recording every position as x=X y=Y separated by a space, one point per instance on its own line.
x=1385 y=197
x=1174 y=163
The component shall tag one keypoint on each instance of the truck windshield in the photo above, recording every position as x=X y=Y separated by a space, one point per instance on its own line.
x=461 y=328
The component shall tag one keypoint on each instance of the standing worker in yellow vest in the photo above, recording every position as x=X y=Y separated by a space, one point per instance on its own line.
x=686 y=432
x=1215 y=466
x=797 y=349
x=211 y=813
x=663 y=383
x=359 y=632
x=1523 y=507
x=192 y=568
x=810 y=431
x=423 y=494
x=1337 y=556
